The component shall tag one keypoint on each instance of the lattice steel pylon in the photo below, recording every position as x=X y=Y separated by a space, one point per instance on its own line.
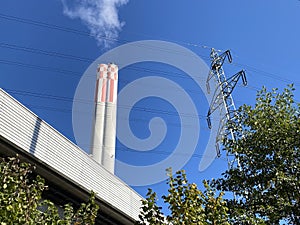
x=222 y=100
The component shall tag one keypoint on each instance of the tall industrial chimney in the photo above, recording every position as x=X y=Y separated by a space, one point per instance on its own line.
x=104 y=127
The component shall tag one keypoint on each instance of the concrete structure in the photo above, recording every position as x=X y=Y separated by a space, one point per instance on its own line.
x=104 y=129
x=69 y=171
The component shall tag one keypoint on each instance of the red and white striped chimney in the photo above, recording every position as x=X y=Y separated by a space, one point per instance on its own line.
x=104 y=127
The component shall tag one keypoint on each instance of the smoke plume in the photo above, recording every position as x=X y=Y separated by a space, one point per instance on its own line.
x=100 y=16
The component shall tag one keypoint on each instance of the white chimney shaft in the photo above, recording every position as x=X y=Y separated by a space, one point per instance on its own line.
x=104 y=130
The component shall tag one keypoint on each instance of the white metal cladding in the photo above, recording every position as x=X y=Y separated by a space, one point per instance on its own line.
x=23 y=128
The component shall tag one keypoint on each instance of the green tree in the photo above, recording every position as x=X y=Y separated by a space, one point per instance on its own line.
x=267 y=182
x=187 y=204
x=21 y=199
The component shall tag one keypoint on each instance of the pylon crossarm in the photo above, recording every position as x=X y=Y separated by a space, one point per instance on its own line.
x=218 y=60
x=231 y=82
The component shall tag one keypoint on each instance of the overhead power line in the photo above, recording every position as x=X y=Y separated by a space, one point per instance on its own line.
x=267 y=74
x=44 y=52
x=44 y=68
x=77 y=74
x=64 y=110
x=136 y=68
x=135 y=108
x=83 y=33
x=50 y=26
x=84 y=59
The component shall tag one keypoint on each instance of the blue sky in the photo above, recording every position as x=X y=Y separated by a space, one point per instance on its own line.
x=46 y=48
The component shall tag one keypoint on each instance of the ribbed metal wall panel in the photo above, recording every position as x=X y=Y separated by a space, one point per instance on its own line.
x=23 y=128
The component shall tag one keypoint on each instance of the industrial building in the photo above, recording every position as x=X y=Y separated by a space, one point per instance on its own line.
x=70 y=172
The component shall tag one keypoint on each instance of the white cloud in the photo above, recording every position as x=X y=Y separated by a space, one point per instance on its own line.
x=100 y=16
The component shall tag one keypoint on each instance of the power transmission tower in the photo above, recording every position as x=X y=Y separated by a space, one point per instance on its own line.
x=222 y=100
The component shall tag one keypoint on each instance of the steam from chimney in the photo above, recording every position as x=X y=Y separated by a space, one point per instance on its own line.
x=100 y=16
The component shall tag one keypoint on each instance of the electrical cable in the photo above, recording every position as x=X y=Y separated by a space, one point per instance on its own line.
x=43 y=68
x=44 y=52
x=77 y=74
x=135 y=108
x=139 y=120
x=79 y=32
x=135 y=68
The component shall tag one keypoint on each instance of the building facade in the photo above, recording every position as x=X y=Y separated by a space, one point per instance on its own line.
x=70 y=172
